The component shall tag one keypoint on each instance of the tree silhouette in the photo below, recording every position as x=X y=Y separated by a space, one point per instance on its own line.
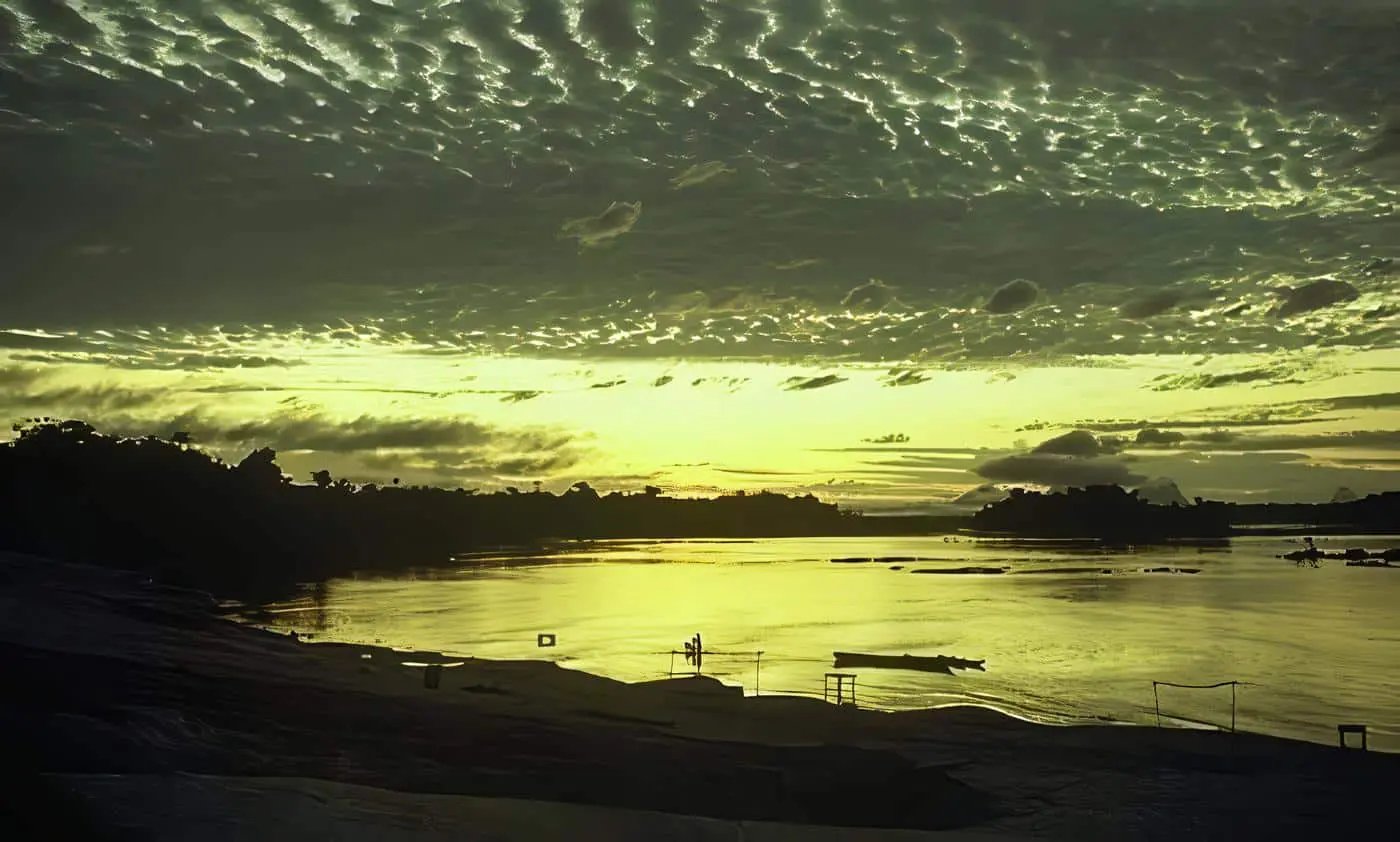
x=260 y=467
x=173 y=510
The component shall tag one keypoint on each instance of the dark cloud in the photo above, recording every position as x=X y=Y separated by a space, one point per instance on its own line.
x=1380 y=461
x=18 y=377
x=30 y=391
x=524 y=465
x=472 y=466
x=365 y=434
x=1315 y=296
x=1055 y=470
x=237 y=388
x=1262 y=374
x=33 y=341
x=1252 y=419
x=1152 y=304
x=1155 y=437
x=196 y=362
x=905 y=377
x=871 y=295
x=1016 y=295
x=131 y=352
x=937 y=452
x=1077 y=458
x=758 y=472
x=889 y=438
x=607 y=385
x=1384 y=400
x=803 y=384
x=1234 y=441
x=1079 y=443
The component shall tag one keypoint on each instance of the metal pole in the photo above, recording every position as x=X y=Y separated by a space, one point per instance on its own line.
x=1156 y=704
x=757 y=658
x=1232 y=707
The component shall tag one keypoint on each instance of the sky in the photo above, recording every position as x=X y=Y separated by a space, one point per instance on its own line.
x=891 y=252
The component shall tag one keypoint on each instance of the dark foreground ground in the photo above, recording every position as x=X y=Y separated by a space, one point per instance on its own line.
x=135 y=712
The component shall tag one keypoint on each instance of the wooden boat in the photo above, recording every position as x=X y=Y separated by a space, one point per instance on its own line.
x=921 y=663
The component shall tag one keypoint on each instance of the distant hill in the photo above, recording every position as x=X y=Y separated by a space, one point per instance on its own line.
x=976 y=498
x=1344 y=495
x=1162 y=492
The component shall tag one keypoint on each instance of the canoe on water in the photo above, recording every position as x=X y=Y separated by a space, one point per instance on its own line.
x=921 y=663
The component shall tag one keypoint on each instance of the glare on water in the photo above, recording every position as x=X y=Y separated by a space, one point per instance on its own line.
x=1069 y=634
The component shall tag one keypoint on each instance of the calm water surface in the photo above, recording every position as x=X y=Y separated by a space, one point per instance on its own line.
x=1316 y=646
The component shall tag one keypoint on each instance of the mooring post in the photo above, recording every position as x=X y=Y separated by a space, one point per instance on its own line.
x=1232 y=706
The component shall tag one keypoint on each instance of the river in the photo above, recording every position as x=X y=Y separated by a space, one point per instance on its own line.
x=1070 y=633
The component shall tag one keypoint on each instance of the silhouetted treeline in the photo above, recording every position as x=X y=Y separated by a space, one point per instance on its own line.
x=1375 y=513
x=1100 y=511
x=164 y=506
x=72 y=493
x=1112 y=513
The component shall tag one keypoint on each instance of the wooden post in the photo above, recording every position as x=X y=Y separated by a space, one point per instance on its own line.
x=1232 y=707
x=1343 y=730
x=841 y=678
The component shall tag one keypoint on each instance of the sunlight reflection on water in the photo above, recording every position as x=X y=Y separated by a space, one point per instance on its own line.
x=1315 y=646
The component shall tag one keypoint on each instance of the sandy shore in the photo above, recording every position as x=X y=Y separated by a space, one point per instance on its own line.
x=129 y=695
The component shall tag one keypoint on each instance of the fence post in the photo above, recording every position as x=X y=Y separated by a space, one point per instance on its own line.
x=1157 y=702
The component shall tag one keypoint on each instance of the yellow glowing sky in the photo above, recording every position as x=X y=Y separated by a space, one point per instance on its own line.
x=741 y=424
